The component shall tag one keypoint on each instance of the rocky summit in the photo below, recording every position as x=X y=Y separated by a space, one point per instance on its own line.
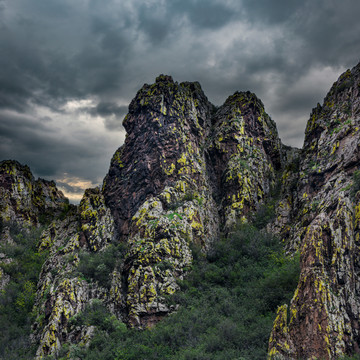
x=187 y=173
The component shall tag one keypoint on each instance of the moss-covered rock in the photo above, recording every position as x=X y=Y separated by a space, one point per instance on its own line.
x=158 y=190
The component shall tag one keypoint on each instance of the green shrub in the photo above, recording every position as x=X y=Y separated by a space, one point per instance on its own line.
x=353 y=357
x=98 y=266
x=17 y=299
x=227 y=306
x=264 y=215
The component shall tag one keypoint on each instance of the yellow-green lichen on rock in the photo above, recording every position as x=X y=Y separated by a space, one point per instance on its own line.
x=280 y=346
x=324 y=320
x=246 y=153
x=186 y=170
x=163 y=230
x=88 y=228
x=23 y=199
x=97 y=223
x=71 y=298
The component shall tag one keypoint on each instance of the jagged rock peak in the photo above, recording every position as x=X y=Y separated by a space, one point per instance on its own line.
x=245 y=153
x=258 y=123
x=86 y=232
x=13 y=167
x=158 y=191
x=166 y=98
x=185 y=171
x=324 y=227
x=164 y=78
x=341 y=103
x=166 y=122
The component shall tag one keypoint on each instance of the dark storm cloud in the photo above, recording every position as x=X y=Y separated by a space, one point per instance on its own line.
x=56 y=54
x=108 y=108
x=111 y=112
x=204 y=13
x=327 y=29
x=155 y=22
x=271 y=12
x=50 y=152
x=103 y=39
x=158 y=20
x=33 y=68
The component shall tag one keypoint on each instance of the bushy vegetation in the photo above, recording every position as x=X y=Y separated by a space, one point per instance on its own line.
x=227 y=303
x=354 y=357
x=98 y=266
x=17 y=299
x=227 y=307
x=265 y=214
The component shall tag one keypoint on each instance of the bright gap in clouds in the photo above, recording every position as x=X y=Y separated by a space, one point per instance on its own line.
x=73 y=187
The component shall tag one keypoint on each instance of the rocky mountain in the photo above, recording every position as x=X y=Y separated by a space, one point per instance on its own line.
x=319 y=217
x=186 y=174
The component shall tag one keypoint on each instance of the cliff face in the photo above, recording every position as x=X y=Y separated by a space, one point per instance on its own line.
x=187 y=172
x=245 y=152
x=158 y=190
x=323 y=224
x=167 y=191
x=64 y=288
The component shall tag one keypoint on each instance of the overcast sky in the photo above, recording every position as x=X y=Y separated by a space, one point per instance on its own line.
x=69 y=69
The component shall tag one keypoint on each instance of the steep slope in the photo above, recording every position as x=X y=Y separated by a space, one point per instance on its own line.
x=245 y=152
x=187 y=173
x=158 y=190
x=176 y=182
x=181 y=167
x=323 y=224
x=66 y=285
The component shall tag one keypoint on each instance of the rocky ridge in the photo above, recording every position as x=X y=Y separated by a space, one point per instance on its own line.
x=26 y=202
x=322 y=222
x=164 y=193
x=186 y=173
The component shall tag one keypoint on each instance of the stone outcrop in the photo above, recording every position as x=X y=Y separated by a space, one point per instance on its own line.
x=25 y=200
x=186 y=171
x=245 y=152
x=185 y=174
x=323 y=225
x=158 y=190
x=63 y=291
